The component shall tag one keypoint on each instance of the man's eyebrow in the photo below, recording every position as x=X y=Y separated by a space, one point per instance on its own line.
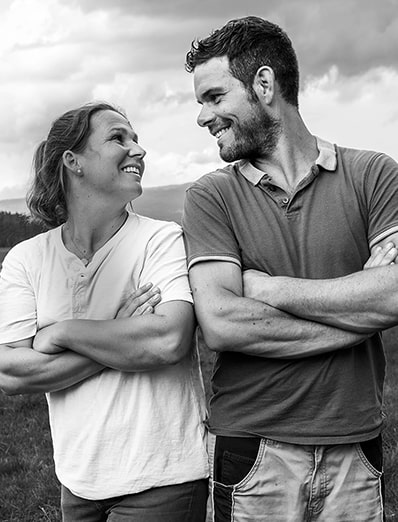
x=209 y=93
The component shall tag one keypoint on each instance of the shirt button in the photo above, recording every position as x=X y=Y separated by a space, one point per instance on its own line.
x=285 y=201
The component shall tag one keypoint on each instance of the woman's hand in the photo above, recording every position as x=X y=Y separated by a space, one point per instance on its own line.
x=142 y=301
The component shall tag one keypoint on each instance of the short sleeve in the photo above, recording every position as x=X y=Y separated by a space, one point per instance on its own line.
x=165 y=264
x=207 y=231
x=17 y=299
x=381 y=188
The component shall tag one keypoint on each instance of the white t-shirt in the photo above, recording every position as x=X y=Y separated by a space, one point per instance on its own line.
x=116 y=432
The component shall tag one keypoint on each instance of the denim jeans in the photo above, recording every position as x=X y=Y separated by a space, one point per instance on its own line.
x=255 y=480
x=177 y=503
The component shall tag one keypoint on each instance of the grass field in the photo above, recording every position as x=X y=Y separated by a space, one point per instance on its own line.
x=29 y=491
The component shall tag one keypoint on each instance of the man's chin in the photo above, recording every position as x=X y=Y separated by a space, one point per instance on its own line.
x=228 y=155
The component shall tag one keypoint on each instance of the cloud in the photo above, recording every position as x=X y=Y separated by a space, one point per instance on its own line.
x=57 y=54
x=359 y=111
x=355 y=35
x=12 y=192
x=174 y=168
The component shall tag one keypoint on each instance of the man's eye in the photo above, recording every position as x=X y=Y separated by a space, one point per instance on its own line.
x=117 y=137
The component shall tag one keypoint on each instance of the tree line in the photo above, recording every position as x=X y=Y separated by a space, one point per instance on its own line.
x=15 y=227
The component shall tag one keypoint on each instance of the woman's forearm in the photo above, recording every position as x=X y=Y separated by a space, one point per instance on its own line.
x=23 y=370
x=129 y=344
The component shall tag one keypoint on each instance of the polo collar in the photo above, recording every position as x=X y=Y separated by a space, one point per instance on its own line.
x=327 y=159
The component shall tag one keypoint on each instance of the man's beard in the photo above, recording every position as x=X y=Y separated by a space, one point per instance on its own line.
x=256 y=137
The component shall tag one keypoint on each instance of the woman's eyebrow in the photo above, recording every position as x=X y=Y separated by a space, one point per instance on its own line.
x=127 y=131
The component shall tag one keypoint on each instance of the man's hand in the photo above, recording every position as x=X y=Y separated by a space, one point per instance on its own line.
x=255 y=284
x=140 y=302
x=382 y=256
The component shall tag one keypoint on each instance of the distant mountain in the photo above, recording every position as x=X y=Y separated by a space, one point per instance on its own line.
x=157 y=202
x=13 y=206
x=162 y=202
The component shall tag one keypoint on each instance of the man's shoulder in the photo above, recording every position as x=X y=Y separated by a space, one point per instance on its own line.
x=361 y=157
x=365 y=166
x=218 y=178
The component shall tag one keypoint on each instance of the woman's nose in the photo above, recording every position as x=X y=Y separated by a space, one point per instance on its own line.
x=136 y=150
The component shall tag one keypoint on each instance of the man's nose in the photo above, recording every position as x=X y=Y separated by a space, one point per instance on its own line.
x=205 y=116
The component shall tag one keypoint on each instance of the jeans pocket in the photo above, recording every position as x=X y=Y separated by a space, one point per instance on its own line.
x=235 y=468
x=371 y=454
x=234 y=461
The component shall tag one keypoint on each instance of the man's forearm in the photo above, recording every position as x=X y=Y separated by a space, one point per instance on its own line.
x=23 y=370
x=256 y=328
x=233 y=319
x=364 y=302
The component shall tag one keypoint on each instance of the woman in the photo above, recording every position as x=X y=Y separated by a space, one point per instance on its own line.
x=97 y=313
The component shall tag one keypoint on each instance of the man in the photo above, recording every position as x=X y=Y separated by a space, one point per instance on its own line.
x=295 y=415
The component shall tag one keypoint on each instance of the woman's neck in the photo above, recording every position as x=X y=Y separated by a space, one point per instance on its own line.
x=86 y=233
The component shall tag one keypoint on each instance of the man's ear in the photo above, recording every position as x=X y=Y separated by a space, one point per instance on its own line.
x=264 y=84
x=71 y=162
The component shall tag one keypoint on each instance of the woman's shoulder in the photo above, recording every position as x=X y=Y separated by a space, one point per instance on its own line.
x=152 y=225
x=30 y=250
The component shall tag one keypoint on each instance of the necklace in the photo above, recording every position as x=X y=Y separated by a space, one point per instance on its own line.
x=82 y=254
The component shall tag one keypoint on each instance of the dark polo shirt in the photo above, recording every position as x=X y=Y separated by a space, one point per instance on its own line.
x=346 y=203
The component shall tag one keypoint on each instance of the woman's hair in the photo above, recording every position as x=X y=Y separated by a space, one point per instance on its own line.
x=46 y=198
x=250 y=43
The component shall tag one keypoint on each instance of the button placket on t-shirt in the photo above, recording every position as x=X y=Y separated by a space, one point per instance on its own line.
x=283 y=200
x=275 y=192
x=79 y=291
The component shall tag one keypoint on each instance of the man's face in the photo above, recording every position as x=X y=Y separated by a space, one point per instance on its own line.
x=242 y=126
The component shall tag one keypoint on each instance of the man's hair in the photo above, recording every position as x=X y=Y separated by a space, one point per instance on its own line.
x=250 y=43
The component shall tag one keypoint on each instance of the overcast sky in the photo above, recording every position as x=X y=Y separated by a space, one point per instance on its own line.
x=58 y=54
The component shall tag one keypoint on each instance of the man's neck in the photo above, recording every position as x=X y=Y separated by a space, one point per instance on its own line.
x=295 y=153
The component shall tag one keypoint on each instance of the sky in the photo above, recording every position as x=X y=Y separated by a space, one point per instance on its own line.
x=58 y=54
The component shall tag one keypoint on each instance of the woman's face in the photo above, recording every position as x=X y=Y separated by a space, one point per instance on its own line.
x=112 y=161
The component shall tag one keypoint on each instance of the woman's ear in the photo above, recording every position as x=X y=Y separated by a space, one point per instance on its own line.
x=71 y=162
